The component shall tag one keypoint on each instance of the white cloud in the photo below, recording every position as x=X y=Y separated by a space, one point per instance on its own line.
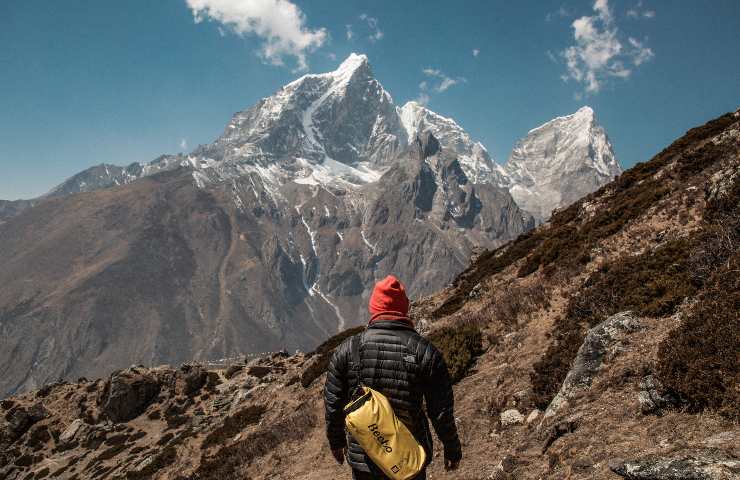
x=476 y=52
x=423 y=98
x=350 y=33
x=442 y=81
x=638 y=11
x=560 y=12
x=183 y=144
x=598 y=52
x=279 y=23
x=437 y=82
x=372 y=24
x=641 y=53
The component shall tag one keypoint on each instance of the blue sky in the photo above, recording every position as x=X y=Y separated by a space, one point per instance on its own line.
x=86 y=82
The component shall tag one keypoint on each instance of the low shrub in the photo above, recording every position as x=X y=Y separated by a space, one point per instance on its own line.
x=514 y=303
x=652 y=284
x=700 y=361
x=460 y=345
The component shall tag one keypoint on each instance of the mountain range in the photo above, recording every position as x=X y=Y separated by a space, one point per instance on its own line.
x=271 y=236
x=601 y=345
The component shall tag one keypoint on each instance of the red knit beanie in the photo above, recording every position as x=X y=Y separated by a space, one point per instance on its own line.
x=389 y=300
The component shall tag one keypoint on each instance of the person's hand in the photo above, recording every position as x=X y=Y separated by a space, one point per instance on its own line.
x=339 y=455
x=451 y=464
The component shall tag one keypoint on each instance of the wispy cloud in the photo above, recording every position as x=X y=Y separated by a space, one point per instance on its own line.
x=436 y=82
x=639 y=11
x=561 y=12
x=279 y=23
x=599 y=52
x=640 y=52
x=441 y=82
x=371 y=25
x=183 y=144
x=476 y=52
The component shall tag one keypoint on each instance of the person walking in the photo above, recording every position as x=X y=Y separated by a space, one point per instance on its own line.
x=404 y=366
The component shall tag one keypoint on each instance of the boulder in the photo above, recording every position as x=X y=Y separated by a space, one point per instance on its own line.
x=687 y=465
x=602 y=341
x=259 y=371
x=127 y=393
x=652 y=397
x=70 y=436
x=19 y=419
x=192 y=377
x=533 y=415
x=233 y=370
x=511 y=417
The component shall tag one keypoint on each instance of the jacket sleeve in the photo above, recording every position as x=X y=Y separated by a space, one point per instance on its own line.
x=336 y=396
x=440 y=405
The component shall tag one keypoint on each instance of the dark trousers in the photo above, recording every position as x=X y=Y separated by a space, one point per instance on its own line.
x=357 y=475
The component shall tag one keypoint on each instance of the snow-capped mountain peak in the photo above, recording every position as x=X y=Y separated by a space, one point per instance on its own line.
x=473 y=156
x=559 y=162
x=342 y=129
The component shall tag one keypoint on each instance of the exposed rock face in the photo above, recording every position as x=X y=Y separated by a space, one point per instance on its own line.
x=601 y=341
x=12 y=208
x=691 y=465
x=127 y=394
x=652 y=397
x=559 y=162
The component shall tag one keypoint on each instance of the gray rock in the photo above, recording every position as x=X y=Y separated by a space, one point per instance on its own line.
x=652 y=396
x=689 y=465
x=533 y=416
x=70 y=434
x=511 y=417
x=233 y=370
x=127 y=393
x=259 y=371
x=723 y=439
x=601 y=341
x=193 y=377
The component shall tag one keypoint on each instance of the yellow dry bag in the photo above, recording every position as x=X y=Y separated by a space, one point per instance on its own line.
x=386 y=440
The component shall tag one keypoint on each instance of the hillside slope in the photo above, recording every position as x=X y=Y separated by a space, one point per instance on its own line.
x=602 y=344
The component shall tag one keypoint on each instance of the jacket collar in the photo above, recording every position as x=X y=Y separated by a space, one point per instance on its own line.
x=391 y=325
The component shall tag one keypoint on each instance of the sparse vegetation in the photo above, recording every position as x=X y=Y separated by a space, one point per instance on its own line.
x=460 y=346
x=700 y=361
x=652 y=284
x=234 y=424
x=568 y=241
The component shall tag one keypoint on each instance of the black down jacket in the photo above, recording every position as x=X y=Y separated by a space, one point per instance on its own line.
x=407 y=369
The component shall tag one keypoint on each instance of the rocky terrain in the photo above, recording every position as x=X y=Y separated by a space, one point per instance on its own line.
x=602 y=344
x=269 y=238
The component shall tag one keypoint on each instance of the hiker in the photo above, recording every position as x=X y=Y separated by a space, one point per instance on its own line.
x=404 y=366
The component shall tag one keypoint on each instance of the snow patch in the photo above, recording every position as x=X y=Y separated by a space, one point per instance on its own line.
x=364 y=239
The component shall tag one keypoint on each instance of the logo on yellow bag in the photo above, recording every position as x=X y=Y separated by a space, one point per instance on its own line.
x=373 y=427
